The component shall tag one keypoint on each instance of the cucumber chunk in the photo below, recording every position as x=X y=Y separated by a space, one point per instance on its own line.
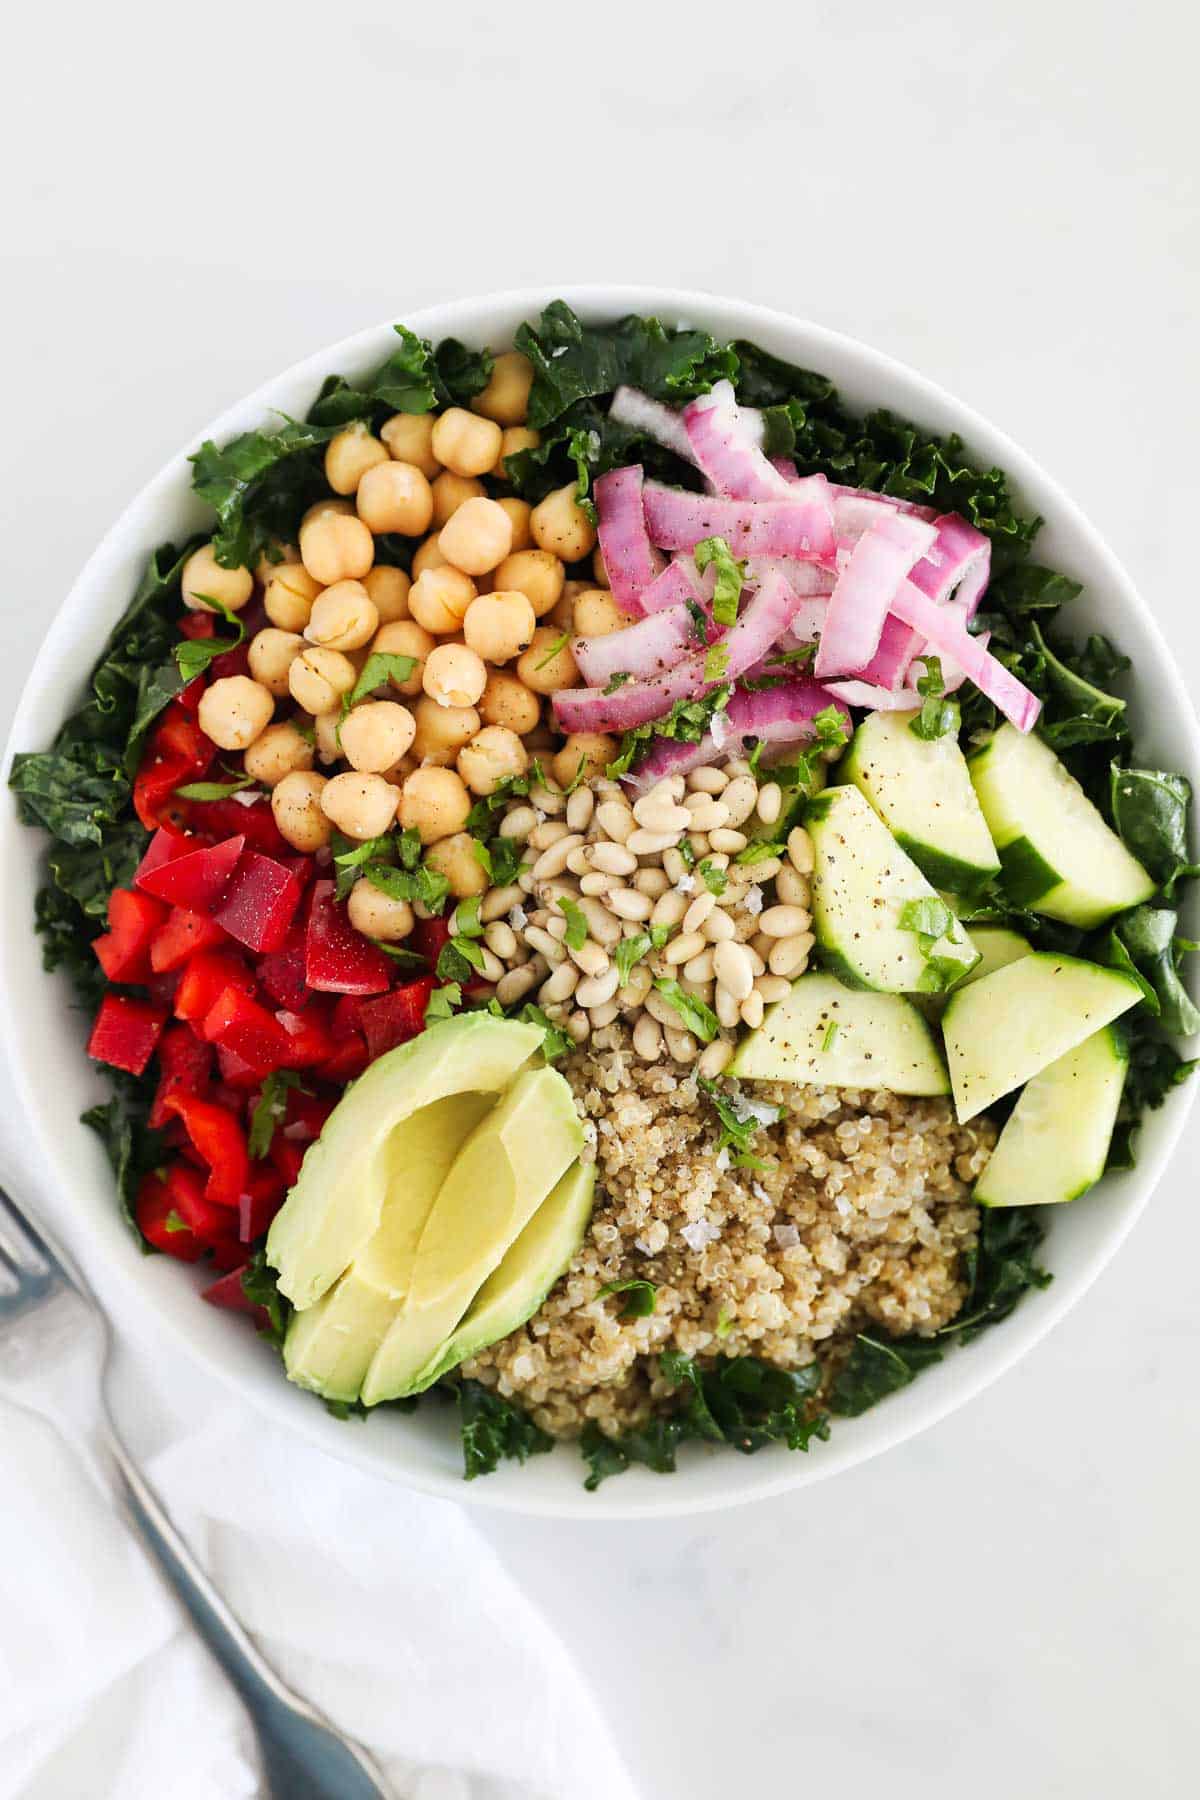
x=1005 y=1029
x=922 y=791
x=1057 y=854
x=863 y=885
x=837 y=1036
x=1054 y=1145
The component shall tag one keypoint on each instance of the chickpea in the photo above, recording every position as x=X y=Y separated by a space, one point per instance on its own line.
x=454 y=675
x=507 y=701
x=271 y=655
x=296 y=806
x=534 y=573
x=506 y=396
x=599 y=572
x=435 y=803
x=326 y=726
x=204 y=579
x=428 y=556
x=499 y=626
x=273 y=556
x=409 y=438
x=455 y=858
x=404 y=637
x=442 y=730
x=318 y=678
x=548 y=665
x=464 y=443
x=395 y=496
x=478 y=537
x=289 y=596
x=387 y=589
x=349 y=455
x=234 y=711
x=376 y=735
x=596 y=750
x=335 y=546
x=343 y=617
x=518 y=512
x=562 y=526
x=439 y=598
x=562 y=613
x=512 y=442
x=450 y=491
x=329 y=504
x=280 y=751
x=363 y=806
x=376 y=915
x=490 y=758
x=597 y=613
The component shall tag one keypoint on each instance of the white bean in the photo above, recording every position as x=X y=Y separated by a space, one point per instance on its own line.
x=548 y=832
x=682 y=1046
x=547 y=799
x=601 y=924
x=614 y=819
x=698 y=911
x=726 y=840
x=656 y=811
x=800 y=850
x=499 y=901
x=719 y=928
x=518 y=823
x=578 y=862
x=580 y=806
x=561 y=984
x=700 y=967
x=605 y=1014
x=614 y=859
x=707 y=780
x=638 y=986
x=784 y=921
x=596 y=882
x=681 y=949
x=772 y=988
x=516 y=984
x=541 y=940
x=554 y=860
x=733 y=969
x=659 y=1009
x=590 y=957
x=714 y=1058
x=651 y=881
x=753 y=1007
x=648 y=1038
x=650 y=843
x=791 y=888
x=708 y=814
x=597 y=989
x=669 y=908
x=740 y=798
x=578 y=1027
x=770 y=802
x=501 y=938
x=726 y=1008
x=627 y=903
x=789 y=956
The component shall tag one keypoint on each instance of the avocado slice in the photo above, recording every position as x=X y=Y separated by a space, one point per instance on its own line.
x=335 y=1207
x=499 y=1179
x=329 y=1346
x=513 y=1292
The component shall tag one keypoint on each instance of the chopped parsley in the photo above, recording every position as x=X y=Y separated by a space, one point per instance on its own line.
x=577 y=925
x=731 y=575
x=697 y=1018
x=269 y=1113
x=616 y=680
x=640 y=1296
x=194 y=655
x=631 y=950
x=740 y=1119
x=938 y=716
x=714 y=878
x=556 y=649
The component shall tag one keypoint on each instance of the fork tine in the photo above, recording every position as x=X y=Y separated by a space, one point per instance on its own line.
x=18 y=1237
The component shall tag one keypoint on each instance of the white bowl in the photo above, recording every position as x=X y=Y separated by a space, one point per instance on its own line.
x=43 y=1035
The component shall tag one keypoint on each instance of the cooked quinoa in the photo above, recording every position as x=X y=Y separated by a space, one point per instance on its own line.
x=862 y=1220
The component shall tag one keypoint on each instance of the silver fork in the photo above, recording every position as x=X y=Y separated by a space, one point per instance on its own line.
x=55 y=1350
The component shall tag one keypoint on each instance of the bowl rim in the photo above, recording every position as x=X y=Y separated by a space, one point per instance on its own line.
x=746 y=1480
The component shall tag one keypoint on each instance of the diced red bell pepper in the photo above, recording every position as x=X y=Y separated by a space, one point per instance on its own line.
x=259 y=1204
x=305 y=1116
x=230 y=1293
x=230 y=1253
x=185 y=1067
x=209 y=1223
x=309 y=1039
x=240 y=1078
x=240 y=1024
x=231 y=662
x=180 y=935
x=205 y=978
x=161 y=1224
x=230 y=818
x=430 y=937
x=154 y=788
x=179 y=735
x=190 y=696
x=338 y=959
x=125 y=1032
x=197 y=880
x=281 y=973
x=396 y=1017
x=220 y=1141
x=345 y=1019
x=347 y=1062
x=260 y=902
x=124 y=949
x=196 y=625
x=287 y=1155
x=164 y=847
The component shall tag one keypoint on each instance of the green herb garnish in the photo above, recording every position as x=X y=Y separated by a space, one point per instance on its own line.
x=640 y=1296
x=697 y=1018
x=577 y=925
x=269 y=1112
x=731 y=576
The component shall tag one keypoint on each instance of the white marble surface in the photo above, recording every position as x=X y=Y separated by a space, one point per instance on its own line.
x=1003 y=195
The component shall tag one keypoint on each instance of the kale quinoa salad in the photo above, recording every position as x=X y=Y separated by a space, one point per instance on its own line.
x=607 y=894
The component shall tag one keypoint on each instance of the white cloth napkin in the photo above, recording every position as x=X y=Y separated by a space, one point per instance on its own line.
x=389 y=1610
